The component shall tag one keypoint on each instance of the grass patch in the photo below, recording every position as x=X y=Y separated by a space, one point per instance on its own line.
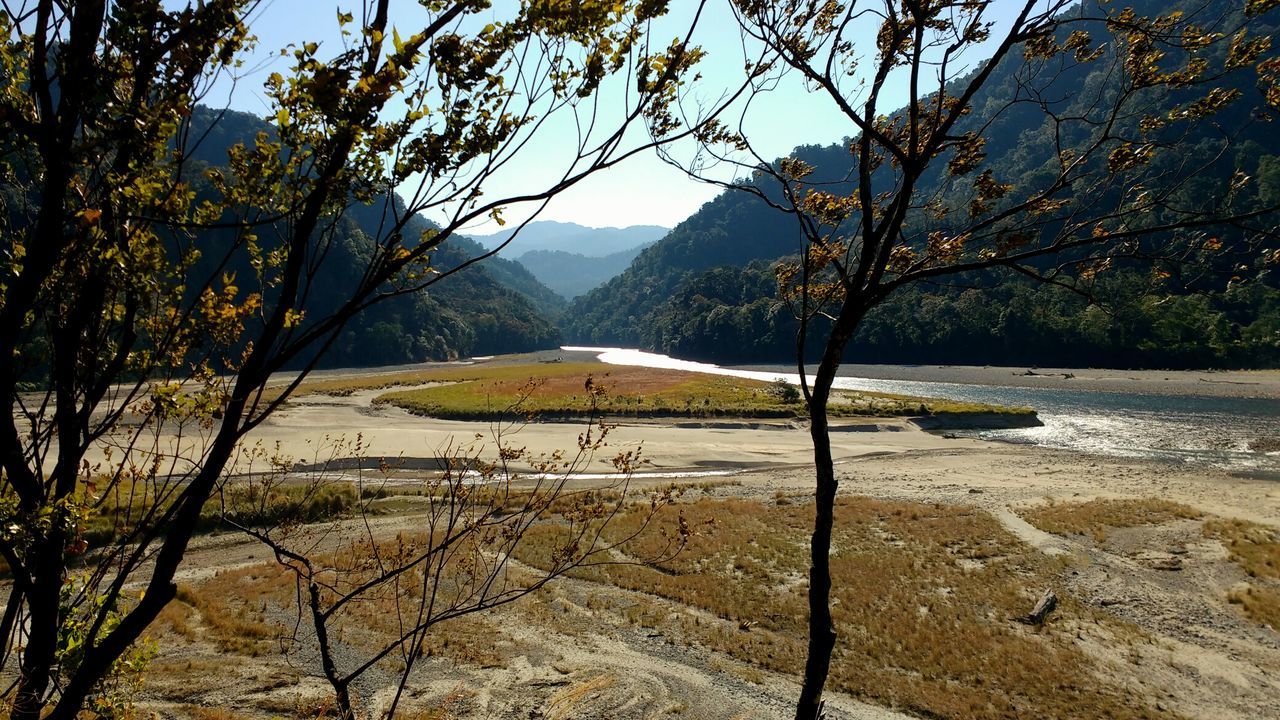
x=1095 y=517
x=1256 y=549
x=847 y=403
x=124 y=506
x=1262 y=604
x=232 y=607
x=562 y=389
x=1253 y=546
x=924 y=601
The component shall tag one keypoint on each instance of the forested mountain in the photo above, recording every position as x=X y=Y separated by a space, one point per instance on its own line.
x=572 y=274
x=572 y=238
x=494 y=306
x=707 y=289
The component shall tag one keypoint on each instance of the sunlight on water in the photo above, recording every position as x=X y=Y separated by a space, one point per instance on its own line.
x=1196 y=429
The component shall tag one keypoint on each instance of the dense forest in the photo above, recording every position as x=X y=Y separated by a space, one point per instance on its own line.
x=729 y=314
x=707 y=290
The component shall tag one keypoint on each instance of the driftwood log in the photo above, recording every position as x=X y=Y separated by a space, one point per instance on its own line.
x=1048 y=602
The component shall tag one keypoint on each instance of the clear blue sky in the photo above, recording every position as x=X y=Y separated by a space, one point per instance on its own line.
x=643 y=190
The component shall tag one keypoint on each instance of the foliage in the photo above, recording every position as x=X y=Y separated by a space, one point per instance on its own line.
x=388 y=595
x=494 y=307
x=784 y=391
x=731 y=315
x=1115 y=179
x=573 y=274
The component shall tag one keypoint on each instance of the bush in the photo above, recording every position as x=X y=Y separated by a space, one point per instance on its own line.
x=784 y=391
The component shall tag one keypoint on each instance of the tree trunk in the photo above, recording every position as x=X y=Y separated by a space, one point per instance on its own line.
x=822 y=634
x=44 y=605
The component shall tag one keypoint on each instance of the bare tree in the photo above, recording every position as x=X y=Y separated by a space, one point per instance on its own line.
x=133 y=361
x=921 y=201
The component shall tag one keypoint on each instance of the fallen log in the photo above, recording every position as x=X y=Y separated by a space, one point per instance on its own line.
x=1047 y=604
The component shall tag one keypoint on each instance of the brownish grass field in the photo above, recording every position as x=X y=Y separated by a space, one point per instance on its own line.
x=485 y=391
x=926 y=599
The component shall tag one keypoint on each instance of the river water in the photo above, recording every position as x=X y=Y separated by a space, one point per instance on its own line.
x=1196 y=429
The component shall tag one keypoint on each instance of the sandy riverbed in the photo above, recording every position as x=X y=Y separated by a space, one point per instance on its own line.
x=1205 y=659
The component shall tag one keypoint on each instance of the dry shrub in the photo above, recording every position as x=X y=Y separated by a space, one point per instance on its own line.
x=1096 y=516
x=924 y=597
x=1260 y=603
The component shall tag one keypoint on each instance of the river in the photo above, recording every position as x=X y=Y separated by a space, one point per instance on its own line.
x=1235 y=433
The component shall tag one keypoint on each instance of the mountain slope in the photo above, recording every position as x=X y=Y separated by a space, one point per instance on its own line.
x=470 y=312
x=515 y=276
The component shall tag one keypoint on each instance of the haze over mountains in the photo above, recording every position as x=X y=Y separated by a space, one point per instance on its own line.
x=572 y=238
x=571 y=259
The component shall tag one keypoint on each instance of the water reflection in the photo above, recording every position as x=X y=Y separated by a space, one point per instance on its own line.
x=1199 y=429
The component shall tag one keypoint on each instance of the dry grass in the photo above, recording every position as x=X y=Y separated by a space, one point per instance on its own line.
x=564 y=704
x=1262 y=604
x=233 y=608
x=562 y=389
x=208 y=713
x=1256 y=549
x=1094 y=517
x=924 y=599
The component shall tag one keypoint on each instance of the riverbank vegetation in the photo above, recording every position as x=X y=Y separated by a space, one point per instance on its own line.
x=577 y=389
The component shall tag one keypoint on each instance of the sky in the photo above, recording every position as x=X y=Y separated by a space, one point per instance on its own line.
x=643 y=189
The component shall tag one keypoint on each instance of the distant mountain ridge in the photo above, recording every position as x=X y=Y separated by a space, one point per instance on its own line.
x=572 y=238
x=572 y=274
